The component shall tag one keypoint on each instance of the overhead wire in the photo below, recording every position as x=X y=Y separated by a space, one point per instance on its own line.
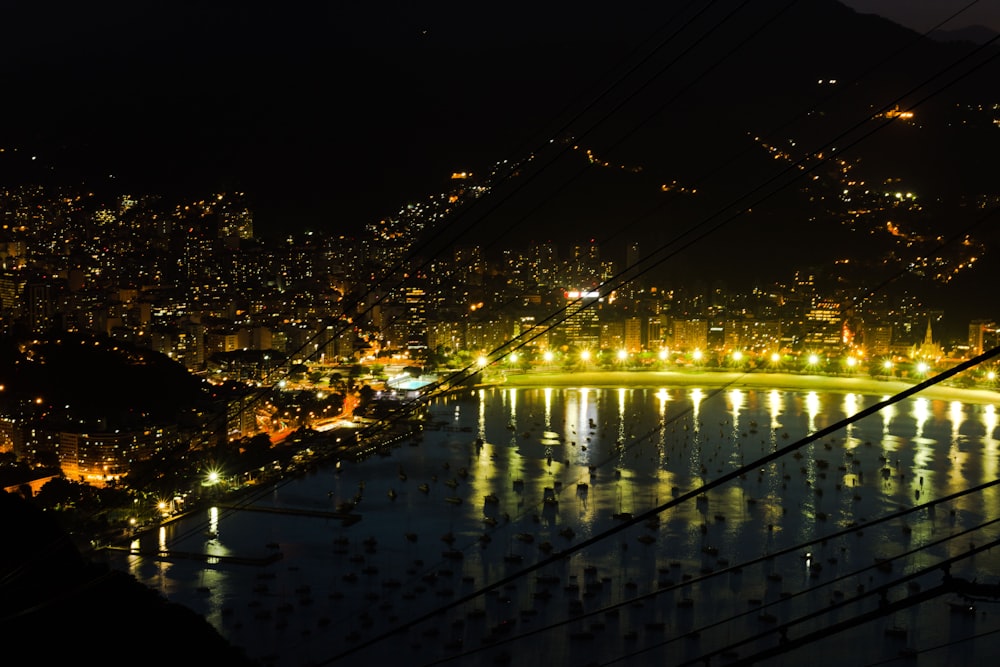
x=734 y=568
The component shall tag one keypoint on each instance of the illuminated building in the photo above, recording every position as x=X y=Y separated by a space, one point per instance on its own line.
x=582 y=325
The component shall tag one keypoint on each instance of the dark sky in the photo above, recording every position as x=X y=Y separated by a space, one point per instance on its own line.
x=327 y=114
x=355 y=107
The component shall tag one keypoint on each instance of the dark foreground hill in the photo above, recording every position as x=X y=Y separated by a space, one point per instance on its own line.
x=56 y=607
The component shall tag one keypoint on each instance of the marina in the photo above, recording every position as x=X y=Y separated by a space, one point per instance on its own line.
x=639 y=556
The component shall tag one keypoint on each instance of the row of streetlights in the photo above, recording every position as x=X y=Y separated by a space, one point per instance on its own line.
x=812 y=360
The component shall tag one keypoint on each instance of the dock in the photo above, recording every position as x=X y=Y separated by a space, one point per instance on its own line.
x=211 y=559
x=346 y=518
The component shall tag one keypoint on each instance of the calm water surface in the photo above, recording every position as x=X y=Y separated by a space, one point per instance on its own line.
x=715 y=575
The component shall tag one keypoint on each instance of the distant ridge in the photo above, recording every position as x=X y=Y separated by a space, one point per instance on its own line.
x=977 y=34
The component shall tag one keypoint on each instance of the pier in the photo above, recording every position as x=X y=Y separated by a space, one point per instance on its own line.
x=346 y=518
x=211 y=559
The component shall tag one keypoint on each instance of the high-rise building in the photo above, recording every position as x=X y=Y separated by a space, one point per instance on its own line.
x=983 y=335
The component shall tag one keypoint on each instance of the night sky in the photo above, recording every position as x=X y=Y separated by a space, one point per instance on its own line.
x=328 y=115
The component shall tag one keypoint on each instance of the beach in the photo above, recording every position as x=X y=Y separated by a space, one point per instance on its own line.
x=737 y=380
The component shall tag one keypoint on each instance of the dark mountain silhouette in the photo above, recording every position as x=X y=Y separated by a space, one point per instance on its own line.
x=977 y=34
x=57 y=604
x=336 y=118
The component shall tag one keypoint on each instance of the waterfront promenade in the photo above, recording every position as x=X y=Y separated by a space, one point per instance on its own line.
x=739 y=380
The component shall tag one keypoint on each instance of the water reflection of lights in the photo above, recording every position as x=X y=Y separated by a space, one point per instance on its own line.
x=548 y=407
x=812 y=409
x=921 y=413
x=850 y=409
x=888 y=412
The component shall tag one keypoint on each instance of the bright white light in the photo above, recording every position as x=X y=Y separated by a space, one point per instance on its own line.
x=622 y=354
x=697 y=355
x=737 y=355
x=813 y=359
x=663 y=355
x=548 y=355
x=585 y=355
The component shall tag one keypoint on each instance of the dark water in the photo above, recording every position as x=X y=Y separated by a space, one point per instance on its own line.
x=720 y=571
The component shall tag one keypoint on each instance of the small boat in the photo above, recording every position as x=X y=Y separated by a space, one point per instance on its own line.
x=454 y=500
x=392 y=494
x=424 y=488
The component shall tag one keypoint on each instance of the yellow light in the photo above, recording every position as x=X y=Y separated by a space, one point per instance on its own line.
x=622 y=354
x=585 y=355
x=482 y=361
x=775 y=357
x=813 y=359
x=548 y=355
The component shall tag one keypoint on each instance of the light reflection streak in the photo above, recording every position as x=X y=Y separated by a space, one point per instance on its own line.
x=661 y=443
x=888 y=412
x=850 y=409
x=774 y=403
x=481 y=426
x=736 y=402
x=812 y=409
x=921 y=413
x=957 y=458
x=696 y=398
x=548 y=408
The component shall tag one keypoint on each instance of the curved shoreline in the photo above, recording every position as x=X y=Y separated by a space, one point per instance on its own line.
x=742 y=380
